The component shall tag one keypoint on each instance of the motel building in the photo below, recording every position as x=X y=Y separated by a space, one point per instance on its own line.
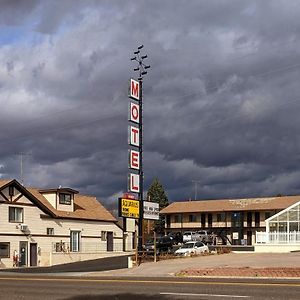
x=270 y=224
x=45 y=227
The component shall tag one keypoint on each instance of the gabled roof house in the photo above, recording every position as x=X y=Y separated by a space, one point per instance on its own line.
x=42 y=227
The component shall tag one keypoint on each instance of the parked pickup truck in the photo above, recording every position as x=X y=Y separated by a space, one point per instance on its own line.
x=190 y=236
x=205 y=237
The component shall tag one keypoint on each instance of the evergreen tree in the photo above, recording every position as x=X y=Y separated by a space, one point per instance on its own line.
x=156 y=193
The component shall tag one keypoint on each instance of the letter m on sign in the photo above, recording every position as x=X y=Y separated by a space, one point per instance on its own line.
x=134 y=89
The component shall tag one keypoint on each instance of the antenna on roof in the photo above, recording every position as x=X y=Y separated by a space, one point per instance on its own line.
x=196 y=187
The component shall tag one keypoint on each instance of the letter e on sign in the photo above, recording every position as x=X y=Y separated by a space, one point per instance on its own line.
x=134 y=112
x=134 y=90
x=134 y=159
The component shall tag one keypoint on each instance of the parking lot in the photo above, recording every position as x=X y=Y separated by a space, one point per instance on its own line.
x=237 y=260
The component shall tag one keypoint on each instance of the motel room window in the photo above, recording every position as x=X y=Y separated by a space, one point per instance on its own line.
x=16 y=214
x=203 y=220
x=64 y=198
x=75 y=241
x=50 y=231
x=221 y=217
x=4 y=249
x=192 y=218
x=177 y=219
x=257 y=219
x=267 y=215
x=209 y=220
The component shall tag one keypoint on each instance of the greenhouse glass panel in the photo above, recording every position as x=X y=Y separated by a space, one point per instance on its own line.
x=282 y=227
x=294 y=226
x=273 y=226
x=293 y=215
x=283 y=217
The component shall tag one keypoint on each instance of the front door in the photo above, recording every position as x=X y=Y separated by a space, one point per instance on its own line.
x=110 y=241
x=33 y=254
x=23 y=254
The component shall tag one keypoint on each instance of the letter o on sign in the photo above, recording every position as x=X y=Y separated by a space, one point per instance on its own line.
x=134 y=112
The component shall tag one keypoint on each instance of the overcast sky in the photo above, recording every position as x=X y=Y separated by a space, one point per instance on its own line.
x=221 y=100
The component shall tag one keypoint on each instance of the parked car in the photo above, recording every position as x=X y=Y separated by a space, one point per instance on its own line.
x=191 y=248
x=163 y=244
x=176 y=237
x=190 y=236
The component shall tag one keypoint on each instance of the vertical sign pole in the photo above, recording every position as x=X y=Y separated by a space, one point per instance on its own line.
x=141 y=69
x=141 y=173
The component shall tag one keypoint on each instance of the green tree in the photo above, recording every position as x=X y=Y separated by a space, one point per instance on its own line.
x=156 y=193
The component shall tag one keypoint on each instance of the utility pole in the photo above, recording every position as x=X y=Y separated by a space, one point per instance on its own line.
x=22 y=154
x=141 y=69
x=196 y=187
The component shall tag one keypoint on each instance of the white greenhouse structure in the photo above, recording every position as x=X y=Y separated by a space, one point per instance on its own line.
x=282 y=229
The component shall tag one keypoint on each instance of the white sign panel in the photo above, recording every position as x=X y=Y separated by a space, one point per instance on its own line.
x=134 y=183
x=134 y=136
x=134 y=114
x=130 y=225
x=151 y=210
x=134 y=159
x=134 y=89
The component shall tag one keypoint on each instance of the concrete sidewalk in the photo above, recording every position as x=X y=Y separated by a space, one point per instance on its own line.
x=232 y=262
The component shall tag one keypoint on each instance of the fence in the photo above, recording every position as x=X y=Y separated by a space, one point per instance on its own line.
x=88 y=247
x=278 y=237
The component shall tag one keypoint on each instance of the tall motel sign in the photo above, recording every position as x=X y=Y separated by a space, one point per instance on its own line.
x=132 y=205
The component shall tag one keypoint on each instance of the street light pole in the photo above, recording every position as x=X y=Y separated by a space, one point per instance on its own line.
x=141 y=69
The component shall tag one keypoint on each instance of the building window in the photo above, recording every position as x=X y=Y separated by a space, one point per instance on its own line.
x=16 y=214
x=177 y=219
x=203 y=220
x=50 y=231
x=4 y=250
x=75 y=241
x=267 y=215
x=257 y=219
x=65 y=199
x=209 y=220
x=192 y=218
x=236 y=219
x=168 y=221
x=103 y=236
x=249 y=219
x=221 y=217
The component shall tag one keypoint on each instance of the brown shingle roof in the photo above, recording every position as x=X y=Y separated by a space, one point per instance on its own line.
x=85 y=207
x=247 y=204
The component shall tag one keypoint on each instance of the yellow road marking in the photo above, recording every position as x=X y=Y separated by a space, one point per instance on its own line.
x=149 y=281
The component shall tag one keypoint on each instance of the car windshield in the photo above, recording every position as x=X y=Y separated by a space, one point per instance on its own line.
x=188 y=245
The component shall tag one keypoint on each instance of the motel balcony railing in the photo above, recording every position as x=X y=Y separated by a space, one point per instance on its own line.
x=292 y=237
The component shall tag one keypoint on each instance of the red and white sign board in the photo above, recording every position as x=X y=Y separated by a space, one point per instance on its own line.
x=134 y=89
x=134 y=136
x=134 y=114
x=134 y=159
x=134 y=183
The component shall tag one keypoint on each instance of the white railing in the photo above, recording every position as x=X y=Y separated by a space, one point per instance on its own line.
x=87 y=247
x=278 y=237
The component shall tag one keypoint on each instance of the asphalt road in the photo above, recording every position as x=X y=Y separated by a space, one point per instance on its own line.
x=74 y=288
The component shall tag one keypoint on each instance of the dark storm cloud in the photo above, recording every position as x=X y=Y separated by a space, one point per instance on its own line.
x=221 y=98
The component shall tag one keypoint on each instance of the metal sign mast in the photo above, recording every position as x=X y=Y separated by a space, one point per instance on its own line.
x=141 y=69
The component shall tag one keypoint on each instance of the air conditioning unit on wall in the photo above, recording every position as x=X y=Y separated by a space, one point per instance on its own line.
x=23 y=227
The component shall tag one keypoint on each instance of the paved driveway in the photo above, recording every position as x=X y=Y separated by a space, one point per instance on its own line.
x=237 y=260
